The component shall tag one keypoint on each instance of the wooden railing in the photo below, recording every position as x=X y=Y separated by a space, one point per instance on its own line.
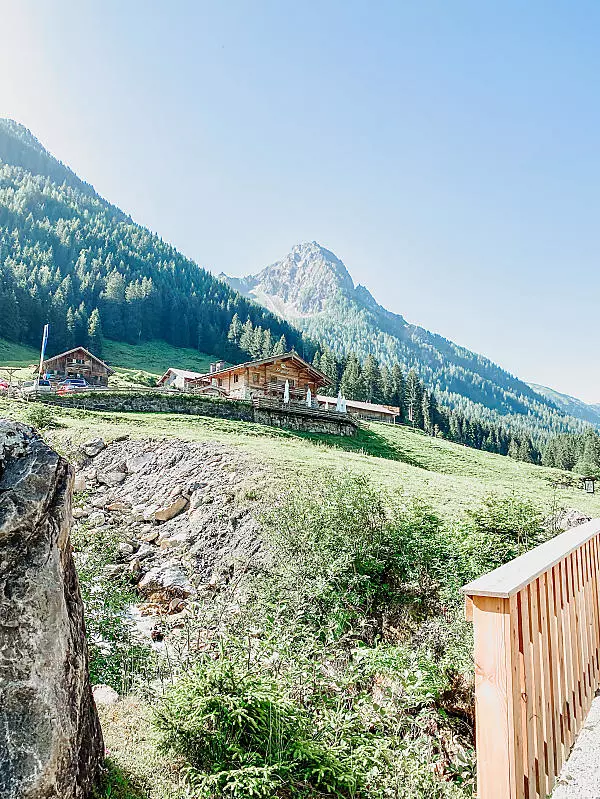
x=537 y=662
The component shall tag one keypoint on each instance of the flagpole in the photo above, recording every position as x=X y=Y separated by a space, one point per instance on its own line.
x=43 y=350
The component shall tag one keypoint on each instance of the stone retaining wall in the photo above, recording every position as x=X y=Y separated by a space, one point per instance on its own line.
x=300 y=419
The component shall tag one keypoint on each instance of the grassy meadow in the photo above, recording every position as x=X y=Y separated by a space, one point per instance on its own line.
x=450 y=477
x=132 y=363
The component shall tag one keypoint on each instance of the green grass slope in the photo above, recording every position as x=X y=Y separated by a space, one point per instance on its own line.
x=450 y=477
x=142 y=362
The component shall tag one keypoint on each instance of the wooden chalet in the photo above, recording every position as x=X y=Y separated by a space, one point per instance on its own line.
x=77 y=362
x=368 y=411
x=266 y=378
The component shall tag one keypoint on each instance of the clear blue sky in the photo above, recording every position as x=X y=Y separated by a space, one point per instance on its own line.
x=448 y=152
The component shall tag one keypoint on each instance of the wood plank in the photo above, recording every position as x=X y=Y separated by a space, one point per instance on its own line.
x=554 y=669
x=492 y=692
x=516 y=706
x=561 y=658
x=575 y=644
x=568 y=652
x=517 y=573
x=596 y=604
x=538 y=698
x=549 y=732
x=468 y=608
x=529 y=696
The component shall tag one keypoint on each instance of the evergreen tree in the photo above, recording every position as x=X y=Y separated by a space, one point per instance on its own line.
x=247 y=337
x=280 y=347
x=94 y=339
x=371 y=380
x=413 y=397
x=267 y=344
x=351 y=384
x=235 y=329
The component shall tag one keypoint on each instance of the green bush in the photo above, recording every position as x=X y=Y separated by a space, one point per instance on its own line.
x=500 y=529
x=355 y=555
x=41 y=417
x=240 y=737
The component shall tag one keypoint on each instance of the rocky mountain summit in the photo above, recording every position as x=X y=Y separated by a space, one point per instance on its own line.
x=50 y=740
x=301 y=284
x=179 y=511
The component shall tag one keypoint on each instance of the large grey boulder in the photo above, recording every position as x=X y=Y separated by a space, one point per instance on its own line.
x=50 y=739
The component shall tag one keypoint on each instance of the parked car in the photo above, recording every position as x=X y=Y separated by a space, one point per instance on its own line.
x=36 y=387
x=75 y=382
x=3 y=385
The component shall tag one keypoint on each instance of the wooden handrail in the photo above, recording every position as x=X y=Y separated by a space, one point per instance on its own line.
x=537 y=662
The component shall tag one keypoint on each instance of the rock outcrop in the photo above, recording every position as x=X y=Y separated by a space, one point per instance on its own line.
x=50 y=739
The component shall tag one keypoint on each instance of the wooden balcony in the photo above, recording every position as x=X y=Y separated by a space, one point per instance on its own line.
x=537 y=662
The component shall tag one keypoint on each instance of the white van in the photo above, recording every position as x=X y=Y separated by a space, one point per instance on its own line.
x=36 y=387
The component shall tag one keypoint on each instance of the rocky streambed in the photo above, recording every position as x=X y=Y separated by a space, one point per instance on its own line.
x=181 y=512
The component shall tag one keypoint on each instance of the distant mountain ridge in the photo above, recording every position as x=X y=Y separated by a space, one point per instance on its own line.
x=588 y=412
x=312 y=288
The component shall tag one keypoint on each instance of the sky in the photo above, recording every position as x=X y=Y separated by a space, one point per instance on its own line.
x=447 y=152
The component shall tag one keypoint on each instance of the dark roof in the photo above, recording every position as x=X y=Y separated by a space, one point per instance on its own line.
x=273 y=358
x=76 y=349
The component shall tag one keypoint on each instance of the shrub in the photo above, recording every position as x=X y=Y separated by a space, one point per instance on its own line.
x=500 y=529
x=240 y=737
x=353 y=554
x=41 y=417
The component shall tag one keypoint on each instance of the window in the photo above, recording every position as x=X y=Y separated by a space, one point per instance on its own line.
x=255 y=377
x=220 y=381
x=292 y=383
x=236 y=378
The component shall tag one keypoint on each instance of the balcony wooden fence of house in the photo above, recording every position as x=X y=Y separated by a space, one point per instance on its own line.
x=537 y=662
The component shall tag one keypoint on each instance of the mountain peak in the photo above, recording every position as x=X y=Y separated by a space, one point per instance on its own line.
x=300 y=284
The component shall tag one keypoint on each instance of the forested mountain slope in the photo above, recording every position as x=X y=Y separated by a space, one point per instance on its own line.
x=312 y=288
x=570 y=405
x=69 y=258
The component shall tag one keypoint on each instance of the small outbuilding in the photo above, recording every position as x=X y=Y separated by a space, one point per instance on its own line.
x=368 y=411
x=178 y=378
x=80 y=363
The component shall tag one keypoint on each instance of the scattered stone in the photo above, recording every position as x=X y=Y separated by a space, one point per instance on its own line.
x=117 y=506
x=125 y=549
x=150 y=536
x=105 y=695
x=79 y=484
x=94 y=447
x=565 y=519
x=172 y=510
x=169 y=578
x=139 y=462
x=112 y=478
x=112 y=570
x=80 y=513
x=96 y=519
x=98 y=502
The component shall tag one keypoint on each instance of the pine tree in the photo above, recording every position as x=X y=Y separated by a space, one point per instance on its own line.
x=94 y=342
x=371 y=378
x=247 y=336
x=351 y=384
x=317 y=360
x=267 y=344
x=280 y=347
x=397 y=386
x=329 y=367
x=413 y=395
x=427 y=412
x=235 y=330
